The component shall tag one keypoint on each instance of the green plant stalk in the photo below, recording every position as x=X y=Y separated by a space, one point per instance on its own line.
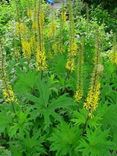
x=80 y=65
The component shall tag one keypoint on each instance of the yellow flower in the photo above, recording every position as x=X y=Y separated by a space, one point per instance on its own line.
x=78 y=95
x=20 y=28
x=34 y=25
x=41 y=17
x=30 y=13
x=52 y=29
x=63 y=16
x=9 y=95
x=70 y=64
x=26 y=49
x=113 y=56
x=73 y=49
x=41 y=61
x=92 y=98
x=32 y=42
x=55 y=48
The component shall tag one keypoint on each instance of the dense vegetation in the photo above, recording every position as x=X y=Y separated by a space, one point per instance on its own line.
x=58 y=86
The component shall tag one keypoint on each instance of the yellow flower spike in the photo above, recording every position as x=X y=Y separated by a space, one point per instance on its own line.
x=92 y=98
x=32 y=42
x=79 y=92
x=42 y=16
x=72 y=44
x=113 y=53
x=40 y=29
x=30 y=13
x=26 y=49
x=52 y=29
x=73 y=49
x=9 y=95
x=70 y=64
x=52 y=25
x=78 y=95
x=113 y=57
x=34 y=25
x=41 y=61
x=20 y=28
x=63 y=16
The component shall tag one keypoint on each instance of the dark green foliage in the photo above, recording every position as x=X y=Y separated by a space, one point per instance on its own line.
x=107 y=4
x=103 y=16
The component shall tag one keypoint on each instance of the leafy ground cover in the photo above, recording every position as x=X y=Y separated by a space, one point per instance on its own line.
x=58 y=86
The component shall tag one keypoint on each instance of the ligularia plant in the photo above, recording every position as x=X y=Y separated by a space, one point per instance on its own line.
x=57 y=81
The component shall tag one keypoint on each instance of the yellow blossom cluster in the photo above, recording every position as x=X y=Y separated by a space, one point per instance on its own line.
x=63 y=16
x=32 y=42
x=72 y=42
x=26 y=49
x=52 y=29
x=34 y=25
x=73 y=49
x=70 y=65
x=113 y=57
x=92 y=98
x=30 y=13
x=9 y=95
x=78 y=95
x=41 y=61
x=41 y=17
x=20 y=28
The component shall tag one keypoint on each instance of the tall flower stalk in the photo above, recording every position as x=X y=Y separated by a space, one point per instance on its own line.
x=79 y=91
x=92 y=99
x=40 y=51
x=52 y=32
x=72 y=50
x=52 y=25
x=63 y=19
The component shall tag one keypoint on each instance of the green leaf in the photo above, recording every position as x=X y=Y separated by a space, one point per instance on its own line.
x=95 y=143
x=110 y=121
x=5 y=120
x=64 y=140
x=45 y=106
x=62 y=102
x=95 y=121
x=21 y=125
x=58 y=65
x=33 y=144
x=26 y=82
x=80 y=117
